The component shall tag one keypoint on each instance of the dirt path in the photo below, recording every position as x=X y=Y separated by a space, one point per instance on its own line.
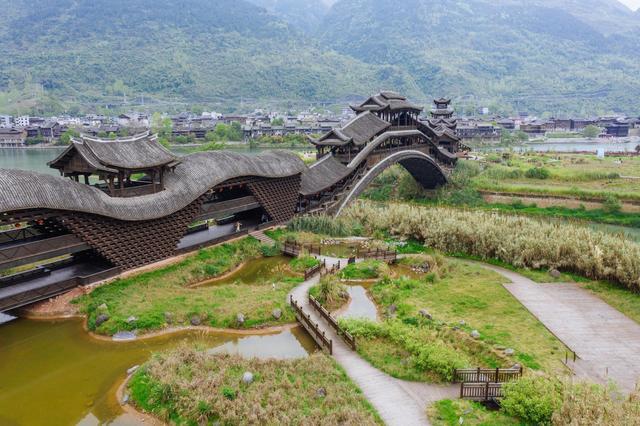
x=397 y=401
x=606 y=342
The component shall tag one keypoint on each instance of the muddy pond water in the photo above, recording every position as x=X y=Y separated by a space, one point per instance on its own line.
x=264 y=269
x=54 y=373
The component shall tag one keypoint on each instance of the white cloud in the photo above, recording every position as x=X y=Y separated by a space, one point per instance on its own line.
x=632 y=4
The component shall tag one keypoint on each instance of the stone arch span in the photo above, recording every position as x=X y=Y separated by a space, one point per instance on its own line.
x=421 y=166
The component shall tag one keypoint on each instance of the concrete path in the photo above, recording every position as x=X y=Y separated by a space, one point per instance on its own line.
x=397 y=401
x=606 y=341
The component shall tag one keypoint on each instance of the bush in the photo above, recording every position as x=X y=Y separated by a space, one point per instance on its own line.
x=532 y=399
x=329 y=292
x=537 y=173
x=369 y=269
x=612 y=204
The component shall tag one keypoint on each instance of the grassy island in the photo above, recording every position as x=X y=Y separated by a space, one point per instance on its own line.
x=188 y=386
x=431 y=318
x=171 y=296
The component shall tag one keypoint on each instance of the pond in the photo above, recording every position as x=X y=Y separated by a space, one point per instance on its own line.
x=53 y=372
x=258 y=271
x=360 y=303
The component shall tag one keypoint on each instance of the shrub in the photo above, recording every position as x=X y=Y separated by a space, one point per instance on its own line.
x=368 y=269
x=329 y=292
x=270 y=251
x=533 y=399
x=612 y=204
x=537 y=173
x=360 y=327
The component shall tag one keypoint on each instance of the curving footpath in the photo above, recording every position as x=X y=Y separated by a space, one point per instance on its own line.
x=397 y=401
x=606 y=342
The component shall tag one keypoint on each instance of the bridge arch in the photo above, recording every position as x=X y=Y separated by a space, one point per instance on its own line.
x=421 y=166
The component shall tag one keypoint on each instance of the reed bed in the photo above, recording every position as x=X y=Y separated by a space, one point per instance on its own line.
x=519 y=241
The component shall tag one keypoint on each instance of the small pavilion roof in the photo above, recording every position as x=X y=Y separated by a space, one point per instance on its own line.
x=141 y=152
x=359 y=130
x=442 y=101
x=386 y=100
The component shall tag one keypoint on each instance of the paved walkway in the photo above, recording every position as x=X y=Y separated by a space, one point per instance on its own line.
x=606 y=341
x=397 y=401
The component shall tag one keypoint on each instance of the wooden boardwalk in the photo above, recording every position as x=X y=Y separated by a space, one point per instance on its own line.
x=398 y=402
x=606 y=342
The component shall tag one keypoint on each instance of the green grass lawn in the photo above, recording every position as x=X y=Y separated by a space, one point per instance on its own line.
x=188 y=386
x=162 y=297
x=463 y=298
x=448 y=413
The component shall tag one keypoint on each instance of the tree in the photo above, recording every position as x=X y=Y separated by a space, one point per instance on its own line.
x=638 y=149
x=591 y=131
x=277 y=121
x=65 y=138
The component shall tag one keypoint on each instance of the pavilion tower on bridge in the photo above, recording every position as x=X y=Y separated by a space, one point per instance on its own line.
x=125 y=167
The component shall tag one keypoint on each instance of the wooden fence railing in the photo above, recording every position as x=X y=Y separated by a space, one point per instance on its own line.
x=332 y=270
x=312 y=328
x=384 y=255
x=294 y=249
x=481 y=391
x=346 y=336
x=314 y=270
x=484 y=375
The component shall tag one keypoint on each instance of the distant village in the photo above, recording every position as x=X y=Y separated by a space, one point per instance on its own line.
x=22 y=131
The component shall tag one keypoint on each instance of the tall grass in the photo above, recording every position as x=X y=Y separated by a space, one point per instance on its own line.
x=520 y=241
x=325 y=225
x=189 y=386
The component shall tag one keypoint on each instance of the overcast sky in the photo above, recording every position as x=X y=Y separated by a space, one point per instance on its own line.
x=633 y=4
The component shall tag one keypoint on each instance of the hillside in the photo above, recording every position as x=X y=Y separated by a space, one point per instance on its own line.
x=60 y=54
x=304 y=15
x=543 y=59
x=548 y=56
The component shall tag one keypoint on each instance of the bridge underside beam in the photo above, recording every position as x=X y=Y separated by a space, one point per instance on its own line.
x=426 y=174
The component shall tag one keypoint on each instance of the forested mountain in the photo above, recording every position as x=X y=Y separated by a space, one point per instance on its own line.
x=192 y=51
x=304 y=15
x=554 y=56
x=504 y=53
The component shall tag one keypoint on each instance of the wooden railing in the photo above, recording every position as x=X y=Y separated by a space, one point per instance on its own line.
x=484 y=375
x=481 y=391
x=328 y=271
x=384 y=255
x=346 y=336
x=292 y=248
x=314 y=270
x=312 y=328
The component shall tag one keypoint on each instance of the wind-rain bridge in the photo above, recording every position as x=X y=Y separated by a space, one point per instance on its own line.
x=120 y=204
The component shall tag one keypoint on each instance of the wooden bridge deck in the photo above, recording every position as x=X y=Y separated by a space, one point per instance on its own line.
x=398 y=402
